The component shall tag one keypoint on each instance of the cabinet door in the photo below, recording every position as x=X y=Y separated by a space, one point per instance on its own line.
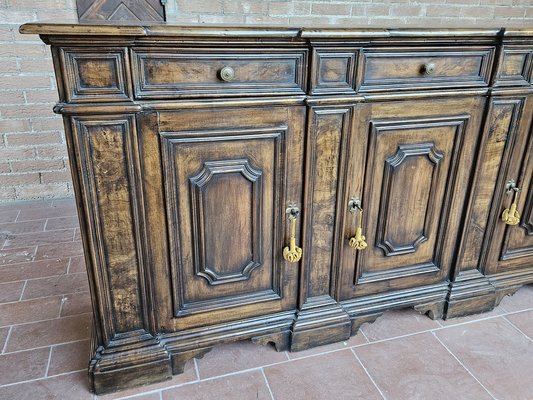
x=510 y=247
x=227 y=177
x=412 y=186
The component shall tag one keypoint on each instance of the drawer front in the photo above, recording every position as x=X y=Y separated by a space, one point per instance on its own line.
x=95 y=75
x=516 y=66
x=175 y=73
x=392 y=69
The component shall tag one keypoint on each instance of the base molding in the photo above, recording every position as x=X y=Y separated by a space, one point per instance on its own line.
x=470 y=293
x=426 y=300
x=321 y=320
x=122 y=367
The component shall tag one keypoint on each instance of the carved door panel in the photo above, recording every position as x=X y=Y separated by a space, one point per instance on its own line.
x=411 y=187
x=227 y=177
x=508 y=246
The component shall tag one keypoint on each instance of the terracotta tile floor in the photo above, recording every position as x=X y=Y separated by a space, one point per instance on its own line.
x=44 y=331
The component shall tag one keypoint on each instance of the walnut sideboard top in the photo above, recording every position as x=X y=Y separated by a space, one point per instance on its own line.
x=287 y=185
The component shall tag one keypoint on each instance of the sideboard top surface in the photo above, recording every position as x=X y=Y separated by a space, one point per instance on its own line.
x=137 y=30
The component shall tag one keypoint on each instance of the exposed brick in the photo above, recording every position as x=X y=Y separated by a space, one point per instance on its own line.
x=41 y=96
x=19 y=179
x=443 y=11
x=24 y=82
x=20 y=139
x=221 y=19
x=43 y=191
x=16 y=153
x=14 y=125
x=4 y=167
x=405 y=10
x=330 y=9
x=509 y=12
x=56 y=177
x=36 y=165
x=42 y=65
x=8 y=65
x=201 y=6
x=52 y=151
x=47 y=123
x=246 y=7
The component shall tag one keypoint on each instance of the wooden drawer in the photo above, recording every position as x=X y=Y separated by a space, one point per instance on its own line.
x=175 y=73
x=95 y=74
x=515 y=67
x=416 y=68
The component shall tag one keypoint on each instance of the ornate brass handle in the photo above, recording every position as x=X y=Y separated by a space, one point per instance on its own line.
x=227 y=74
x=510 y=215
x=358 y=241
x=429 y=68
x=292 y=253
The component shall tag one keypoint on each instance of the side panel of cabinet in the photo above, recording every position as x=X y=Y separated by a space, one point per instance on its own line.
x=227 y=175
x=510 y=247
x=412 y=190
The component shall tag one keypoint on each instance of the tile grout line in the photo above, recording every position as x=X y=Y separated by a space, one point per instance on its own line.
x=48 y=277
x=68 y=266
x=267 y=384
x=17 y=217
x=22 y=292
x=49 y=319
x=48 y=364
x=45 y=223
x=45 y=346
x=45 y=297
x=464 y=366
x=368 y=374
x=517 y=328
x=42 y=378
x=7 y=340
x=196 y=369
x=363 y=334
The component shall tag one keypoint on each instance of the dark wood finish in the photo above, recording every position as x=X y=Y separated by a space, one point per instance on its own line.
x=184 y=171
x=120 y=10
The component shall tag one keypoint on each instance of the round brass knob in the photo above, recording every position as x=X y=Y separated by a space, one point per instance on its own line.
x=429 y=68
x=227 y=74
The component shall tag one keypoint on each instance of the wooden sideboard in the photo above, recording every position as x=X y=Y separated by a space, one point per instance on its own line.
x=288 y=185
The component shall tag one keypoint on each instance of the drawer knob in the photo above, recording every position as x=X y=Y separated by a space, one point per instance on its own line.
x=429 y=68
x=227 y=74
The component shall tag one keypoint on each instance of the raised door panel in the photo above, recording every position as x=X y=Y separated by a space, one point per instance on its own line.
x=228 y=175
x=411 y=188
x=510 y=247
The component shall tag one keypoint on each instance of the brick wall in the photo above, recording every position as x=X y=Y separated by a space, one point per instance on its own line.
x=33 y=160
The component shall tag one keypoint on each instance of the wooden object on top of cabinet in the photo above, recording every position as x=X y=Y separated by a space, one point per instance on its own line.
x=287 y=185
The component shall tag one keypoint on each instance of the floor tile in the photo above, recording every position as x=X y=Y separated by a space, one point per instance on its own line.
x=64 y=387
x=233 y=357
x=149 y=396
x=248 y=385
x=21 y=312
x=50 y=332
x=336 y=375
x=33 y=270
x=23 y=365
x=68 y=284
x=523 y=321
x=8 y=215
x=356 y=340
x=10 y=291
x=77 y=264
x=69 y=357
x=471 y=318
x=22 y=227
x=74 y=304
x=65 y=202
x=54 y=211
x=11 y=256
x=189 y=375
x=38 y=238
x=521 y=300
x=59 y=250
x=496 y=353
x=398 y=323
x=418 y=367
x=62 y=223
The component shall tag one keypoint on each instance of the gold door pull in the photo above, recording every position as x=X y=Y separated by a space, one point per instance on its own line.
x=510 y=215
x=358 y=241
x=292 y=253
